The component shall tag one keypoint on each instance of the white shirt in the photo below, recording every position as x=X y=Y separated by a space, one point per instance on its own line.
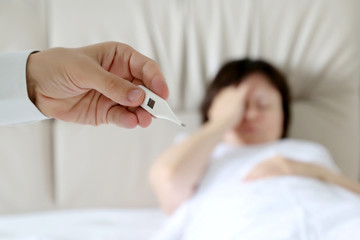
x=15 y=105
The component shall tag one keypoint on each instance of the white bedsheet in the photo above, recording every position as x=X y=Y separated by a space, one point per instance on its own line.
x=281 y=208
x=101 y=224
x=284 y=208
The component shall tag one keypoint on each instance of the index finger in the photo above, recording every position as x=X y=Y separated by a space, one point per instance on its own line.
x=148 y=71
x=125 y=62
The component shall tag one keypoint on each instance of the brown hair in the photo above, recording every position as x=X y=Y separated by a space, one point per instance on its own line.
x=234 y=72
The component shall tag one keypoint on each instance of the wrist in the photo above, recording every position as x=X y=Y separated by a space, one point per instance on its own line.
x=325 y=175
x=312 y=170
x=30 y=80
x=218 y=128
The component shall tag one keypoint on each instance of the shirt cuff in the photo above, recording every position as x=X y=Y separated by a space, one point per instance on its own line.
x=15 y=105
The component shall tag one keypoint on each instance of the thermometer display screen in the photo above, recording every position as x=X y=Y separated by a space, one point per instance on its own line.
x=151 y=103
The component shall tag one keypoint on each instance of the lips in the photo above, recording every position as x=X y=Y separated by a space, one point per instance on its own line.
x=249 y=128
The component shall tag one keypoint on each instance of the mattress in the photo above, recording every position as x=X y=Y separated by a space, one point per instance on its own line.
x=104 y=224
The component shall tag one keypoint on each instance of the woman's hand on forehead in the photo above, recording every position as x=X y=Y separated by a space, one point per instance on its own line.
x=229 y=105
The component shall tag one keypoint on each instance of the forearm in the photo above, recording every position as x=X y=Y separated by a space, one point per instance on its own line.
x=178 y=171
x=343 y=181
x=324 y=174
x=186 y=162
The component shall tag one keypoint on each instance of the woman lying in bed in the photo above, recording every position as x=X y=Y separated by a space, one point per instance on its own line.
x=239 y=177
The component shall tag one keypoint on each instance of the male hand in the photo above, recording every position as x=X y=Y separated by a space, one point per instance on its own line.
x=94 y=85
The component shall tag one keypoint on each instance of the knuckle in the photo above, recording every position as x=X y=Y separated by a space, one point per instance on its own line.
x=127 y=50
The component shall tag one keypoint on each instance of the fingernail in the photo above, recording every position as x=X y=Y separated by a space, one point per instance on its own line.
x=135 y=94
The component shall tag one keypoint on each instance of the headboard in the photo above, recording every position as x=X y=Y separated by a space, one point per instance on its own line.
x=51 y=164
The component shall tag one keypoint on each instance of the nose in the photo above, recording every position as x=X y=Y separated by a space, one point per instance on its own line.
x=251 y=113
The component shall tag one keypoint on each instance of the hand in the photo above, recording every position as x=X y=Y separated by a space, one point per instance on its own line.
x=94 y=85
x=229 y=105
x=280 y=166
x=275 y=166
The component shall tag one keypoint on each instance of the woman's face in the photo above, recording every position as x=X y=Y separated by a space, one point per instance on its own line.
x=263 y=114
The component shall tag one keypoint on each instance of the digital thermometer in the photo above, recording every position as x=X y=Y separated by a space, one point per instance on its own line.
x=158 y=107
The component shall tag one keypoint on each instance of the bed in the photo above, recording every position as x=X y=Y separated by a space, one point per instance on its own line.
x=50 y=170
x=92 y=224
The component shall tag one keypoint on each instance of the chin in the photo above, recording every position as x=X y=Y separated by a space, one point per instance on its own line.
x=251 y=142
x=254 y=140
x=237 y=138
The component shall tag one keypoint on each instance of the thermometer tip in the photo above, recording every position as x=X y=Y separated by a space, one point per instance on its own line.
x=183 y=124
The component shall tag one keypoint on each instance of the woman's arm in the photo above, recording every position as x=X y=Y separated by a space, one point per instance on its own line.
x=176 y=174
x=337 y=179
x=282 y=166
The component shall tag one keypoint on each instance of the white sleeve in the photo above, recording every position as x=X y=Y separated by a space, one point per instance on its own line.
x=15 y=105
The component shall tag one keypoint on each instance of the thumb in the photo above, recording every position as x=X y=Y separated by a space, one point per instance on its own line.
x=117 y=89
